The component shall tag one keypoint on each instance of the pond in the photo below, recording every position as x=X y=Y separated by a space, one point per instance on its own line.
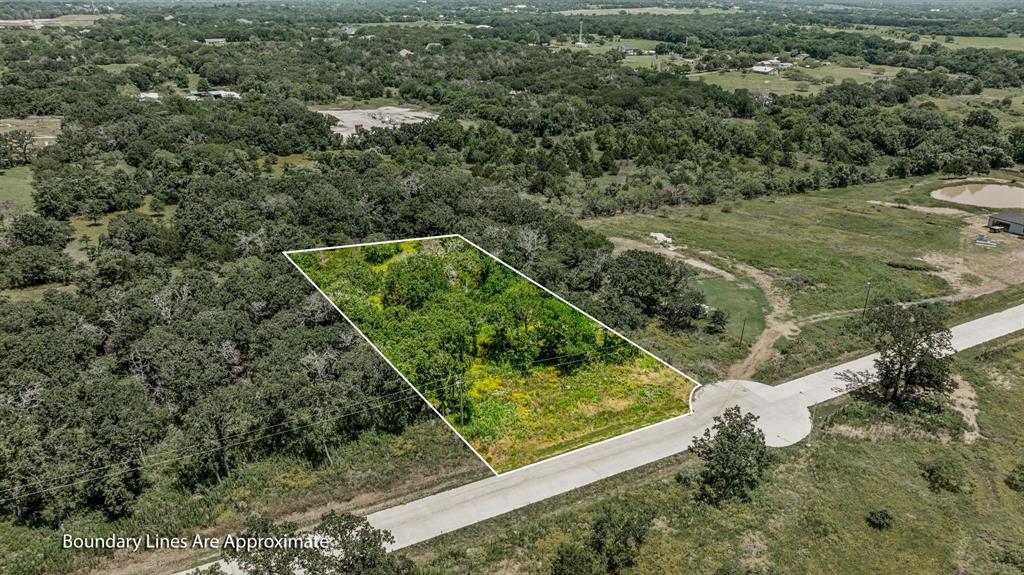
x=985 y=195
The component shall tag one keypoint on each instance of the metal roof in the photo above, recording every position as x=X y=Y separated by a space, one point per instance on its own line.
x=1009 y=217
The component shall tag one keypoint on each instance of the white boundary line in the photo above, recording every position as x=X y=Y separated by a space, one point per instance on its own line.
x=696 y=384
x=400 y=374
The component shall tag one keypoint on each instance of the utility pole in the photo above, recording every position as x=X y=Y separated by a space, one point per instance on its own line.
x=462 y=400
x=867 y=294
x=743 y=330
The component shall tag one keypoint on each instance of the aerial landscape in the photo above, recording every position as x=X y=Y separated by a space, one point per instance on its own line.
x=556 y=288
x=518 y=373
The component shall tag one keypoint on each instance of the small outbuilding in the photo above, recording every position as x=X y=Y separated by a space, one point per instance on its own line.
x=1009 y=222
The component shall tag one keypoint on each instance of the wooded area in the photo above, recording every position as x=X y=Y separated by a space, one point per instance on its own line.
x=149 y=322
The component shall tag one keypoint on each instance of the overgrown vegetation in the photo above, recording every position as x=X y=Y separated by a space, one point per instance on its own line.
x=520 y=374
x=137 y=350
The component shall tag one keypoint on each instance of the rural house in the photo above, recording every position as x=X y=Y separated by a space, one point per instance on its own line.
x=1009 y=222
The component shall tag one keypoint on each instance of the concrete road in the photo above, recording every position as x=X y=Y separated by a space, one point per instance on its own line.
x=784 y=418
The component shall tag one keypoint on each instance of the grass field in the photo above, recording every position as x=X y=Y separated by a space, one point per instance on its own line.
x=816 y=253
x=811 y=515
x=80 y=19
x=16 y=187
x=821 y=246
x=118 y=67
x=785 y=84
x=704 y=355
x=990 y=99
x=1010 y=42
x=521 y=375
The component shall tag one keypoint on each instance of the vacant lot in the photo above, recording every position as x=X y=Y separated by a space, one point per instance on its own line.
x=350 y=121
x=521 y=375
x=821 y=247
x=44 y=128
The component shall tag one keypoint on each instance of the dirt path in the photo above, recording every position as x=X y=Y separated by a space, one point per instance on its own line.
x=972 y=272
x=921 y=209
x=623 y=244
x=778 y=323
x=965 y=400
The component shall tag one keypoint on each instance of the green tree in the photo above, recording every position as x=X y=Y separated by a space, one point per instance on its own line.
x=33 y=230
x=736 y=458
x=982 y=118
x=352 y=546
x=718 y=320
x=1016 y=139
x=411 y=281
x=914 y=347
x=34 y=265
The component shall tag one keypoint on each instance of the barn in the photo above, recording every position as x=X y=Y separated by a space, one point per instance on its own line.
x=1009 y=222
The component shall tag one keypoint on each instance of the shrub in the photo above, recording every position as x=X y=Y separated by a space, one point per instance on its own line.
x=880 y=519
x=575 y=559
x=1013 y=556
x=717 y=321
x=1015 y=479
x=618 y=532
x=946 y=474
